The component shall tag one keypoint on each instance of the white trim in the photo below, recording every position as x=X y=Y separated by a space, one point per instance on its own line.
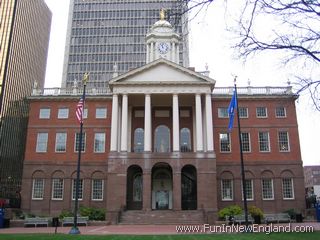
x=222 y=197
x=65 y=142
x=81 y=186
x=292 y=189
x=42 y=114
x=102 y=189
x=83 y=139
x=33 y=189
x=267 y=199
x=46 y=143
x=61 y=113
x=269 y=145
x=252 y=190
x=229 y=138
x=104 y=141
x=52 y=191
x=266 y=116
x=284 y=151
x=285 y=112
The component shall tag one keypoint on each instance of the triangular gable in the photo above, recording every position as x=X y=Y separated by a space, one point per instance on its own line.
x=161 y=71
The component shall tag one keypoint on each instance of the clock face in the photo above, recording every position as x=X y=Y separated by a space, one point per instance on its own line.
x=163 y=47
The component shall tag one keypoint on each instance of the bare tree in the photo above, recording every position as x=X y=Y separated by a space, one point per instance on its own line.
x=296 y=33
x=290 y=27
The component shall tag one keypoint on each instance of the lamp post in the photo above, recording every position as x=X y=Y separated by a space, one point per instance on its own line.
x=75 y=229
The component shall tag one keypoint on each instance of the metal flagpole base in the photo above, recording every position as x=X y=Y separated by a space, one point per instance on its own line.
x=74 y=231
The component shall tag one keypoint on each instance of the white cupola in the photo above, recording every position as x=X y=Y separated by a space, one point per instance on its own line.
x=162 y=41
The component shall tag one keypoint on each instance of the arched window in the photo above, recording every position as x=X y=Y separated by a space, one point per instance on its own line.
x=138 y=140
x=162 y=139
x=185 y=140
x=137 y=188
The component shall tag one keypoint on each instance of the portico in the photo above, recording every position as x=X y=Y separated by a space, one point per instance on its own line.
x=187 y=89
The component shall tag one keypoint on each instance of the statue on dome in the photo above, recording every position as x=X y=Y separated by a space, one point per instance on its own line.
x=162 y=14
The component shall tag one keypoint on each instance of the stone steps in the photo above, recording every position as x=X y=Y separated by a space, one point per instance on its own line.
x=162 y=217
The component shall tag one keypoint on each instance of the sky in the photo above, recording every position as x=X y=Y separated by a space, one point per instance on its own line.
x=209 y=44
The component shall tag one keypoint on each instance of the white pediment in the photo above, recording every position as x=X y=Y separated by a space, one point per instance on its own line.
x=164 y=72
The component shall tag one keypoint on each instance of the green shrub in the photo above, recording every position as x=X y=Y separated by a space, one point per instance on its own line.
x=65 y=213
x=255 y=211
x=231 y=210
x=292 y=213
x=93 y=213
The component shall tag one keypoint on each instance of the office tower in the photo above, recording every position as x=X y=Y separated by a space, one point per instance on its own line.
x=24 y=33
x=105 y=33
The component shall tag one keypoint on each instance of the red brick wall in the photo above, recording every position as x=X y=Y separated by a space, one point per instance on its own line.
x=253 y=125
x=71 y=126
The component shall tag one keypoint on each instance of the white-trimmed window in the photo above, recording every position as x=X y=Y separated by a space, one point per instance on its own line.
x=225 y=143
x=223 y=112
x=287 y=188
x=63 y=113
x=77 y=142
x=42 y=142
x=249 y=189
x=57 y=188
x=97 y=189
x=44 y=113
x=101 y=113
x=267 y=189
x=281 y=112
x=37 y=189
x=262 y=112
x=227 y=189
x=80 y=195
x=264 y=143
x=245 y=140
x=61 y=142
x=99 y=142
x=243 y=112
x=283 y=140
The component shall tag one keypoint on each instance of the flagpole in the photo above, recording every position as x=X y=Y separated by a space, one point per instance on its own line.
x=245 y=203
x=75 y=229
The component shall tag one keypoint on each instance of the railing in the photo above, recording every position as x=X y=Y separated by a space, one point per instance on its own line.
x=216 y=91
x=253 y=90
x=70 y=91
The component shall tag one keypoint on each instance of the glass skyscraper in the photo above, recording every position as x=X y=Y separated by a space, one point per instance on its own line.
x=105 y=33
x=24 y=34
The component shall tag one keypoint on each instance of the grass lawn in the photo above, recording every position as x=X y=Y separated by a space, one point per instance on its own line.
x=240 y=236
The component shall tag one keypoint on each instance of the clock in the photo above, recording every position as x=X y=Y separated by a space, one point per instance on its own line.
x=163 y=47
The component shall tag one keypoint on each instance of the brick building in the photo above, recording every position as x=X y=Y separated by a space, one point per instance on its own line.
x=157 y=148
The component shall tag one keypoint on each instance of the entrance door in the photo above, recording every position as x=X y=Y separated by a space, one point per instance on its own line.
x=134 y=188
x=162 y=200
x=188 y=188
x=161 y=187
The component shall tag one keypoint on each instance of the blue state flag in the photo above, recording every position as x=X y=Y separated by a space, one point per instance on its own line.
x=231 y=109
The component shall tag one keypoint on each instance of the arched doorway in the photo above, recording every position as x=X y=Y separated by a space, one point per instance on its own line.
x=188 y=188
x=134 y=188
x=161 y=186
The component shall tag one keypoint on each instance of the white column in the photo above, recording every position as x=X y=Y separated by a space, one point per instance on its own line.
x=148 y=51
x=177 y=53
x=147 y=123
x=114 y=123
x=199 y=123
x=151 y=57
x=124 y=124
x=175 y=123
x=172 y=52
x=209 y=123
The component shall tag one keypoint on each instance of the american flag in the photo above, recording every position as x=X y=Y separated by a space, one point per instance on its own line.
x=79 y=111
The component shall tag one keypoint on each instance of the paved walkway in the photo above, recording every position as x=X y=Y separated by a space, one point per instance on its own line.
x=128 y=229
